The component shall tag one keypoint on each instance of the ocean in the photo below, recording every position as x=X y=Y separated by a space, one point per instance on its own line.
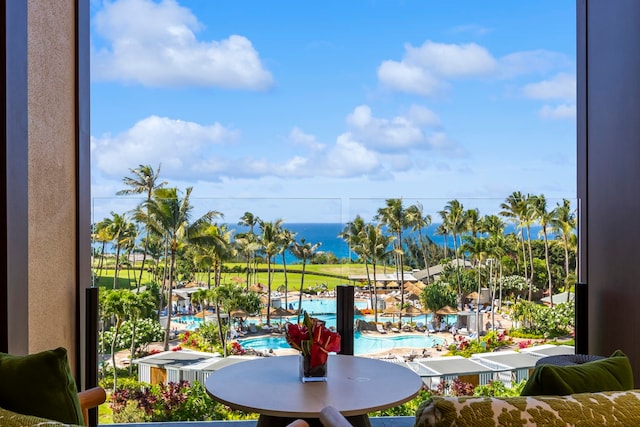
x=327 y=235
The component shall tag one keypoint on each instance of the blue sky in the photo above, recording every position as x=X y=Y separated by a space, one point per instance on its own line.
x=318 y=107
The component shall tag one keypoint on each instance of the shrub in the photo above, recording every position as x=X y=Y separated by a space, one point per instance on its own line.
x=498 y=389
x=457 y=387
x=406 y=409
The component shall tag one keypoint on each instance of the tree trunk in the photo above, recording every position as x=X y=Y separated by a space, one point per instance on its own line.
x=169 y=302
x=133 y=343
x=115 y=273
x=304 y=265
x=113 y=354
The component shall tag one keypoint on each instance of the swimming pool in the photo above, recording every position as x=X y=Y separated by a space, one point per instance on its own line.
x=363 y=344
x=321 y=305
x=191 y=322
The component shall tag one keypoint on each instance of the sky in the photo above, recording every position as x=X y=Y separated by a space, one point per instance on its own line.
x=315 y=111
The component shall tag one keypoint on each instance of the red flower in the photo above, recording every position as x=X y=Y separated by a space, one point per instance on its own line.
x=313 y=338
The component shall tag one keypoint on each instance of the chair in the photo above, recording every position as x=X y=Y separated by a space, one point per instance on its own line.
x=90 y=399
x=380 y=329
x=41 y=388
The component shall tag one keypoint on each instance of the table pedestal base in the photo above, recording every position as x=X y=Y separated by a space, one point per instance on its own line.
x=269 y=421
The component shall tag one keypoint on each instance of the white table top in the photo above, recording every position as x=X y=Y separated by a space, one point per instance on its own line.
x=271 y=386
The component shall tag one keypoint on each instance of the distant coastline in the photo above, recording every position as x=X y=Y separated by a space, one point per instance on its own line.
x=327 y=234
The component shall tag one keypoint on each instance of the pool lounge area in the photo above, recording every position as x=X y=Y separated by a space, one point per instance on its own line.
x=363 y=343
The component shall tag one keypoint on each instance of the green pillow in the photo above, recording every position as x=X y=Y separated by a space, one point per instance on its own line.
x=41 y=385
x=609 y=374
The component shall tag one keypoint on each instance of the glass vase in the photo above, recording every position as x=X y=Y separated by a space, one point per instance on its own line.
x=311 y=374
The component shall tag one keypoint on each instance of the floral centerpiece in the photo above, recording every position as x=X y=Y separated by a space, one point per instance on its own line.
x=314 y=341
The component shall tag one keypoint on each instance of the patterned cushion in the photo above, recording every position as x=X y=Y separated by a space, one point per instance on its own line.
x=12 y=419
x=612 y=408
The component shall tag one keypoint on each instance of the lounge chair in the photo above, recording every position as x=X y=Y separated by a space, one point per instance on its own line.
x=380 y=329
x=430 y=328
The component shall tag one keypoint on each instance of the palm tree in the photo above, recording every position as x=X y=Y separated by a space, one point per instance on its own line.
x=213 y=247
x=419 y=221
x=545 y=218
x=477 y=248
x=394 y=216
x=453 y=221
x=247 y=244
x=139 y=306
x=101 y=233
x=143 y=180
x=442 y=231
x=121 y=231
x=250 y=220
x=199 y=298
x=376 y=244
x=563 y=223
x=285 y=239
x=496 y=248
x=304 y=251
x=117 y=303
x=226 y=298
x=517 y=208
x=270 y=246
x=353 y=232
x=169 y=215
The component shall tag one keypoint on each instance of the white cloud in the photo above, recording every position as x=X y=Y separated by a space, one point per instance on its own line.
x=423 y=70
x=408 y=78
x=370 y=146
x=561 y=86
x=423 y=116
x=400 y=133
x=177 y=145
x=426 y=70
x=563 y=111
x=298 y=137
x=350 y=158
x=154 y=44
x=451 y=60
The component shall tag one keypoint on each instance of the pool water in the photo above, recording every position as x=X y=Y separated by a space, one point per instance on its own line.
x=321 y=305
x=325 y=309
x=363 y=344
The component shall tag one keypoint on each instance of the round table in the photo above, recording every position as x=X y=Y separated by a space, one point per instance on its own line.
x=355 y=386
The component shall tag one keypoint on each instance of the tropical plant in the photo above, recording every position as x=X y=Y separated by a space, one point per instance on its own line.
x=394 y=216
x=169 y=215
x=143 y=180
x=270 y=246
x=563 y=223
x=418 y=221
x=117 y=303
x=303 y=251
x=545 y=218
x=453 y=217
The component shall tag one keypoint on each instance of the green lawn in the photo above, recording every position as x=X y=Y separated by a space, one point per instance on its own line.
x=331 y=275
